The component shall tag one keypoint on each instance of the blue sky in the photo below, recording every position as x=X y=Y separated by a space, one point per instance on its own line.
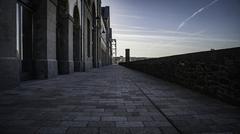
x=156 y=28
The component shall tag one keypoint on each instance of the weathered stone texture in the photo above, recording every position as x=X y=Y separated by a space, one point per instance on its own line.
x=112 y=100
x=215 y=73
x=9 y=71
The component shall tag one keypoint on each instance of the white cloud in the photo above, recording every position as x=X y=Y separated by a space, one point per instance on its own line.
x=196 y=13
x=137 y=36
x=163 y=44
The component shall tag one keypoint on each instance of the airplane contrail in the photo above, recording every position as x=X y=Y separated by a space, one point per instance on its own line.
x=196 y=13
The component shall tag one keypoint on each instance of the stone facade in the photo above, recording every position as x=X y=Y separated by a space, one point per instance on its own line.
x=106 y=40
x=43 y=39
x=215 y=72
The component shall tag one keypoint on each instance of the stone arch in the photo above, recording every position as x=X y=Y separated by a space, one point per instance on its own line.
x=77 y=48
x=62 y=36
x=94 y=36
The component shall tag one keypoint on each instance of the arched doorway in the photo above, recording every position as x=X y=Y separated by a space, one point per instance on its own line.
x=76 y=40
x=62 y=37
x=94 y=39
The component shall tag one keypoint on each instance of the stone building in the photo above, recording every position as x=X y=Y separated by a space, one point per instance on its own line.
x=107 y=36
x=40 y=39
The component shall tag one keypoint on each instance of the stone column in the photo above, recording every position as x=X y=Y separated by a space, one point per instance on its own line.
x=9 y=62
x=45 y=38
x=70 y=45
x=65 y=44
x=83 y=23
x=87 y=61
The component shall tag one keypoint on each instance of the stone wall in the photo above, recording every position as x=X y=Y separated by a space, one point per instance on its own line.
x=215 y=73
x=9 y=64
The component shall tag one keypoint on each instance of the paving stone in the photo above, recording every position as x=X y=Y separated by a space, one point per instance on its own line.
x=18 y=130
x=94 y=110
x=114 y=118
x=115 y=131
x=87 y=118
x=169 y=130
x=101 y=124
x=114 y=100
x=156 y=124
x=52 y=130
x=129 y=124
x=46 y=123
x=73 y=124
x=145 y=131
x=140 y=118
x=77 y=130
x=18 y=123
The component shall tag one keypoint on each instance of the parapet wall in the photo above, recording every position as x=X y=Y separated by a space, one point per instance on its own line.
x=215 y=73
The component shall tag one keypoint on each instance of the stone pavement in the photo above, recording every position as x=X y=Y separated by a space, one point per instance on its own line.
x=112 y=100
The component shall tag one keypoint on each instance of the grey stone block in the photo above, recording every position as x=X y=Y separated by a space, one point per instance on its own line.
x=77 y=130
x=113 y=118
x=145 y=131
x=52 y=130
x=115 y=131
x=102 y=124
x=129 y=124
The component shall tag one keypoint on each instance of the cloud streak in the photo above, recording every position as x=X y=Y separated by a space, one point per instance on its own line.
x=156 y=38
x=196 y=13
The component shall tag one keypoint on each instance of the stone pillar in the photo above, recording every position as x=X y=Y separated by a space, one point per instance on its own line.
x=87 y=36
x=127 y=52
x=81 y=49
x=64 y=42
x=82 y=14
x=9 y=62
x=99 y=63
x=70 y=45
x=45 y=38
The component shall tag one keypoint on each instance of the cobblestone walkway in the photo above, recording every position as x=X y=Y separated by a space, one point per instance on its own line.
x=112 y=100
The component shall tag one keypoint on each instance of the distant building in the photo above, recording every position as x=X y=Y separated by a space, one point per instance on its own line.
x=127 y=55
x=44 y=38
x=106 y=39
